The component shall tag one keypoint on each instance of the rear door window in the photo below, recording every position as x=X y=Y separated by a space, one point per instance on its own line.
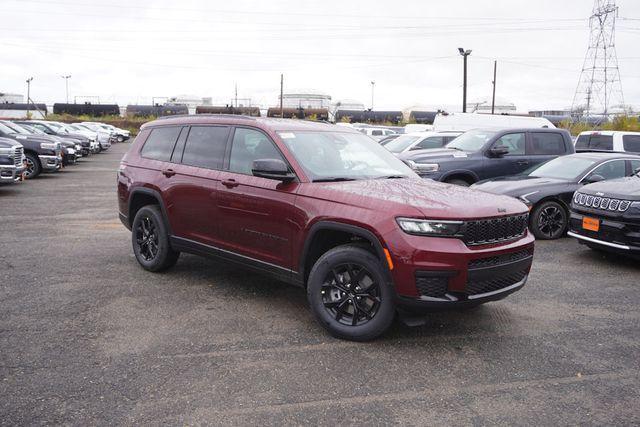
x=631 y=143
x=547 y=143
x=159 y=144
x=430 y=142
x=205 y=146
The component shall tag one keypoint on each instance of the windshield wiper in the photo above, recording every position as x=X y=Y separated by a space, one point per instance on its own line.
x=391 y=177
x=334 y=179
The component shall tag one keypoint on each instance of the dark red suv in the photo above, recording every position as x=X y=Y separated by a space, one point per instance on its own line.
x=323 y=207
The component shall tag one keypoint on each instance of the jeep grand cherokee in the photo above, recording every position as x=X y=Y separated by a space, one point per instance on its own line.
x=323 y=207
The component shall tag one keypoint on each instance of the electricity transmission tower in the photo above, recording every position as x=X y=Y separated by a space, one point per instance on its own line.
x=599 y=87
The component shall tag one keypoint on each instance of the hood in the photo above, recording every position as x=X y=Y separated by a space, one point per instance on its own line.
x=77 y=136
x=518 y=185
x=623 y=188
x=434 y=154
x=31 y=138
x=8 y=143
x=417 y=197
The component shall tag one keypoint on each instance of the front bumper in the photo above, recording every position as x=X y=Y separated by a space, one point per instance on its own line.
x=10 y=174
x=50 y=163
x=614 y=235
x=433 y=273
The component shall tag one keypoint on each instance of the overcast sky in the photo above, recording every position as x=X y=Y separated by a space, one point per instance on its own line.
x=129 y=51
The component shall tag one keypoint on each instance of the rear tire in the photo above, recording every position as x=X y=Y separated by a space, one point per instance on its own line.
x=150 y=240
x=549 y=220
x=349 y=294
x=460 y=182
x=33 y=166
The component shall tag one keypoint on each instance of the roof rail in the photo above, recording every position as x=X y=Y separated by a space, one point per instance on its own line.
x=226 y=116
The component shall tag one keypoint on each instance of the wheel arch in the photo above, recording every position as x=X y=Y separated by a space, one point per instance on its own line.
x=142 y=196
x=467 y=175
x=325 y=235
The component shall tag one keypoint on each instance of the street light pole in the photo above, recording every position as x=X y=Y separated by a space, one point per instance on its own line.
x=464 y=54
x=28 y=94
x=493 y=97
x=372 y=86
x=66 y=83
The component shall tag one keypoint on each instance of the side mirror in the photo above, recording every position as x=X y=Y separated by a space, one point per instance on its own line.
x=498 y=151
x=272 y=169
x=594 y=178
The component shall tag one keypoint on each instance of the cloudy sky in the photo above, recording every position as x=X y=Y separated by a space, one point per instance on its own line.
x=128 y=52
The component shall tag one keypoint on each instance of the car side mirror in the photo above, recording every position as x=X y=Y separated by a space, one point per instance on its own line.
x=594 y=178
x=272 y=169
x=498 y=151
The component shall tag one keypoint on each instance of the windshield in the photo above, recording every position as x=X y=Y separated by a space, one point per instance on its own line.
x=566 y=167
x=16 y=128
x=401 y=143
x=6 y=129
x=337 y=155
x=472 y=140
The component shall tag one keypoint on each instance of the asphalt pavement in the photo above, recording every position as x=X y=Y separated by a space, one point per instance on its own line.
x=87 y=337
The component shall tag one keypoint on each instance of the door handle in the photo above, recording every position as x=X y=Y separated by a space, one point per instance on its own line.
x=168 y=173
x=523 y=162
x=230 y=183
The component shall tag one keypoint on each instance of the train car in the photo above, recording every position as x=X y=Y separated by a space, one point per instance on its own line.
x=87 y=108
x=422 y=117
x=157 y=110
x=299 y=113
x=245 y=111
x=11 y=110
x=369 y=116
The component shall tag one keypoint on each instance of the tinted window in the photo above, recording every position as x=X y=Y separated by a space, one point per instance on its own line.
x=631 y=143
x=430 y=142
x=611 y=170
x=582 y=142
x=635 y=165
x=515 y=142
x=205 y=146
x=376 y=132
x=547 y=143
x=601 y=142
x=176 y=157
x=159 y=144
x=249 y=145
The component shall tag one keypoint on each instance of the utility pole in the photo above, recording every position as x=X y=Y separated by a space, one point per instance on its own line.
x=281 y=95
x=236 y=99
x=372 y=86
x=464 y=54
x=66 y=81
x=493 y=97
x=28 y=94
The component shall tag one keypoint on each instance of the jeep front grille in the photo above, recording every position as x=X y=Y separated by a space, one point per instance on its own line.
x=495 y=230
x=602 y=203
x=18 y=156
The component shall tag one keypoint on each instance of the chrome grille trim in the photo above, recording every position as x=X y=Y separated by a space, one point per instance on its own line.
x=602 y=203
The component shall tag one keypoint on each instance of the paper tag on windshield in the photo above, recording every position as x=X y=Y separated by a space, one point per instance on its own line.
x=287 y=135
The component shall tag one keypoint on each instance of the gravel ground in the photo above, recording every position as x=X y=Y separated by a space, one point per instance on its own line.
x=88 y=337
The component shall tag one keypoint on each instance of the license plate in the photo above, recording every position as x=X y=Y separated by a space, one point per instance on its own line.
x=591 y=224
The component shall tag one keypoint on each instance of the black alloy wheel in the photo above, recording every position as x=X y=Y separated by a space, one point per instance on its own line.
x=549 y=221
x=32 y=168
x=147 y=239
x=350 y=294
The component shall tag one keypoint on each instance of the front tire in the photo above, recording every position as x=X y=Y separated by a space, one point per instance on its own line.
x=150 y=240
x=349 y=294
x=549 y=220
x=33 y=168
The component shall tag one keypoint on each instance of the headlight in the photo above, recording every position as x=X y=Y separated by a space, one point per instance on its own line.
x=71 y=151
x=429 y=227
x=423 y=167
x=48 y=145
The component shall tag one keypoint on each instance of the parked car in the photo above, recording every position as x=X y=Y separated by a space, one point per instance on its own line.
x=121 y=135
x=69 y=155
x=420 y=141
x=482 y=154
x=41 y=155
x=606 y=216
x=548 y=189
x=11 y=161
x=468 y=121
x=105 y=137
x=82 y=147
x=55 y=130
x=608 y=141
x=376 y=133
x=104 y=142
x=323 y=207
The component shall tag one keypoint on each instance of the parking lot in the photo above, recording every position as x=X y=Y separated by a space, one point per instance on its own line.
x=89 y=337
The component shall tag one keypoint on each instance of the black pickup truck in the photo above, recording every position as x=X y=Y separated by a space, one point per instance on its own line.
x=42 y=155
x=11 y=161
x=482 y=154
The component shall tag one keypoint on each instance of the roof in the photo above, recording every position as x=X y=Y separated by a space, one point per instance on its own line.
x=608 y=132
x=275 y=124
x=603 y=155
